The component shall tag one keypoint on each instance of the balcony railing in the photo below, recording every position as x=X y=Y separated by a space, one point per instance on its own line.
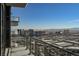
x=40 y=47
x=14 y=18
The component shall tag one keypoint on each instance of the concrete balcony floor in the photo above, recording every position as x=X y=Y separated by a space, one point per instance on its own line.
x=20 y=51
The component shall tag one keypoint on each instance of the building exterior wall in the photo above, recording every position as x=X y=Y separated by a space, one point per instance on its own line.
x=5 y=28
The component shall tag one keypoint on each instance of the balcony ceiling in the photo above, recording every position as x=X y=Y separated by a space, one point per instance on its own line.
x=17 y=4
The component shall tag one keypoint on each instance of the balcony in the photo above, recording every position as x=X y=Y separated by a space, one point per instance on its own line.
x=35 y=46
x=14 y=21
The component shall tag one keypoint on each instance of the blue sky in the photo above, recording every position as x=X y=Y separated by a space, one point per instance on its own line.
x=48 y=16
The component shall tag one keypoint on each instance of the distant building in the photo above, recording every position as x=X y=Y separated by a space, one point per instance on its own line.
x=38 y=33
x=21 y=32
x=30 y=32
x=66 y=32
x=58 y=33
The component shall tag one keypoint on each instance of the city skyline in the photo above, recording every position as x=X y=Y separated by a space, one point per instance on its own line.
x=48 y=16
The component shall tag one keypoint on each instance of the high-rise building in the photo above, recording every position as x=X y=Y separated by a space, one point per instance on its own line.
x=14 y=25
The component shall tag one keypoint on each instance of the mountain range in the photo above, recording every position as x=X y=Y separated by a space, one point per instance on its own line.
x=73 y=30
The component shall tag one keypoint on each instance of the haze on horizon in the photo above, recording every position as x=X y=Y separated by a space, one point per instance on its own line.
x=48 y=15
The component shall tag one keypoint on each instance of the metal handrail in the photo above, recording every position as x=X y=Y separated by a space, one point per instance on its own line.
x=53 y=46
